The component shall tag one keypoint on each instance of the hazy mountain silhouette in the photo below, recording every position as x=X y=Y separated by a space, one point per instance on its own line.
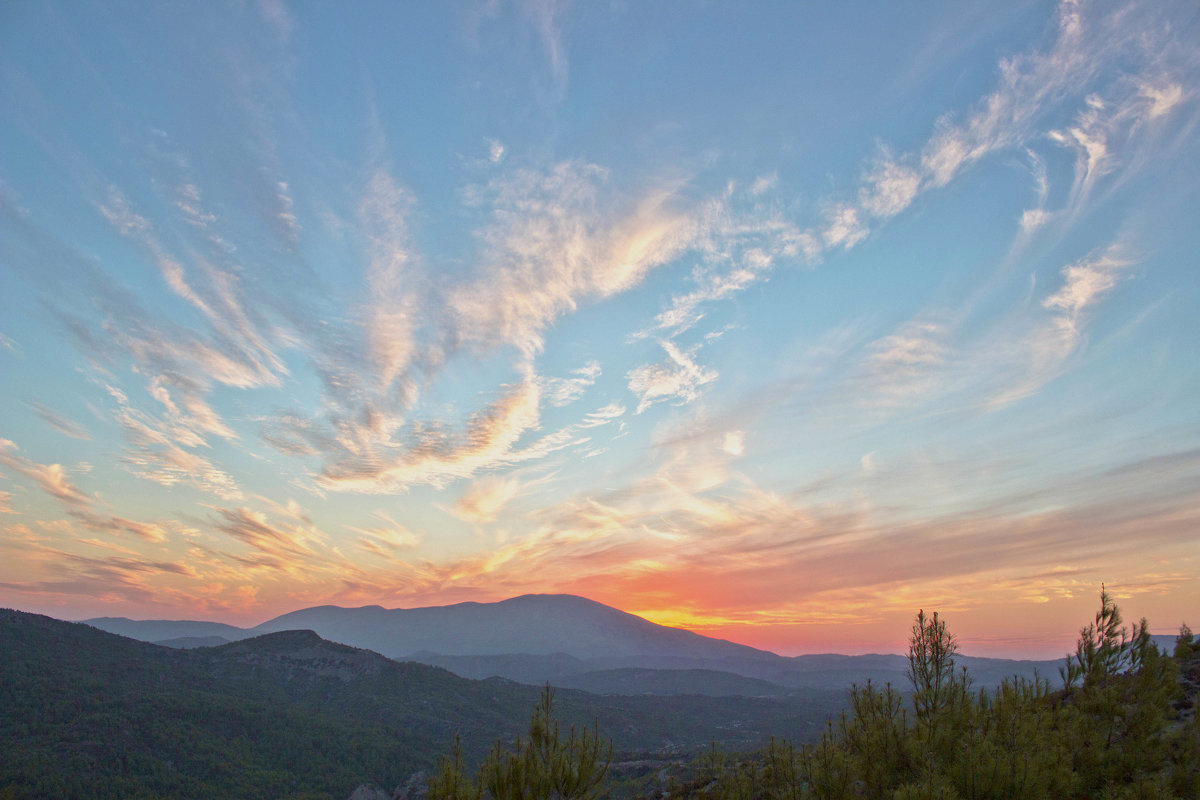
x=560 y=639
x=155 y=630
x=533 y=624
x=192 y=642
x=537 y=625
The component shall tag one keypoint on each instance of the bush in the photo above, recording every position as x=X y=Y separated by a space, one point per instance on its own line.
x=1104 y=735
x=543 y=767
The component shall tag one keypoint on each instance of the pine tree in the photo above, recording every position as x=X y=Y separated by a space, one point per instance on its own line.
x=544 y=766
x=451 y=781
x=1183 y=643
x=931 y=654
x=1105 y=648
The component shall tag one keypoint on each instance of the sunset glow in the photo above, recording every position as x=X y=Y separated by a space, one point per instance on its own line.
x=773 y=322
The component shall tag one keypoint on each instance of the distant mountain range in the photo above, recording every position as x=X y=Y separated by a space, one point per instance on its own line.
x=571 y=642
x=84 y=712
x=530 y=624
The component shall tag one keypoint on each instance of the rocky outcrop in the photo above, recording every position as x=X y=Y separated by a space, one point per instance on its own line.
x=301 y=656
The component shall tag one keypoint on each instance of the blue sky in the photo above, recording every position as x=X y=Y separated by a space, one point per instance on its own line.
x=775 y=321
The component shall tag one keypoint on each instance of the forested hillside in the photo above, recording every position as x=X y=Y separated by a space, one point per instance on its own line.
x=1121 y=724
x=88 y=714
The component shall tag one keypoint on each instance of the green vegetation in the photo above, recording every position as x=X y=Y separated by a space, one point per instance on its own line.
x=1115 y=731
x=90 y=715
x=543 y=766
x=84 y=714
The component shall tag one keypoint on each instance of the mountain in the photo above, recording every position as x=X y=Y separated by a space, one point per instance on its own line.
x=154 y=630
x=288 y=714
x=707 y=682
x=91 y=714
x=538 y=625
x=534 y=639
x=190 y=642
x=532 y=624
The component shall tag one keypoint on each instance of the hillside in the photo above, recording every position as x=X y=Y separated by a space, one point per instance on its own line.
x=154 y=630
x=632 y=681
x=1121 y=724
x=92 y=714
x=87 y=713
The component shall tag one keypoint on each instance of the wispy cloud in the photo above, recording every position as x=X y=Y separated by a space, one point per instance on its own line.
x=1049 y=344
x=288 y=548
x=158 y=448
x=564 y=391
x=739 y=245
x=845 y=227
x=558 y=239
x=79 y=506
x=927 y=362
x=902 y=366
x=111 y=579
x=435 y=456
x=742 y=546
x=285 y=214
x=678 y=379
x=389 y=324
x=1085 y=281
x=486 y=498
x=149 y=531
x=546 y=18
x=555 y=240
x=603 y=416
x=392 y=280
x=187 y=201
x=1163 y=96
x=1029 y=86
x=240 y=355
x=388 y=538
x=50 y=478
x=275 y=13
x=890 y=188
x=60 y=423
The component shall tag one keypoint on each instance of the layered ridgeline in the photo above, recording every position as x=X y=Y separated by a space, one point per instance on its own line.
x=568 y=641
x=86 y=713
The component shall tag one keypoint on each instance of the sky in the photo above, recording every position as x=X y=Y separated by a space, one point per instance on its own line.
x=774 y=321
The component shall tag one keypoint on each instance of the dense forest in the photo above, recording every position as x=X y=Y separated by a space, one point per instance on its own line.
x=86 y=714
x=1121 y=726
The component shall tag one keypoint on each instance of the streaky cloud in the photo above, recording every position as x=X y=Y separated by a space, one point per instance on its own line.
x=60 y=423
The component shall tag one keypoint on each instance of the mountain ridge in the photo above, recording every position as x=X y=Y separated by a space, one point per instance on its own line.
x=536 y=624
x=568 y=640
x=90 y=713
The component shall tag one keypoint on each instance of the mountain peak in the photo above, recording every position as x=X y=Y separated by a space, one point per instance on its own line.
x=553 y=599
x=535 y=624
x=302 y=654
x=291 y=638
x=532 y=624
